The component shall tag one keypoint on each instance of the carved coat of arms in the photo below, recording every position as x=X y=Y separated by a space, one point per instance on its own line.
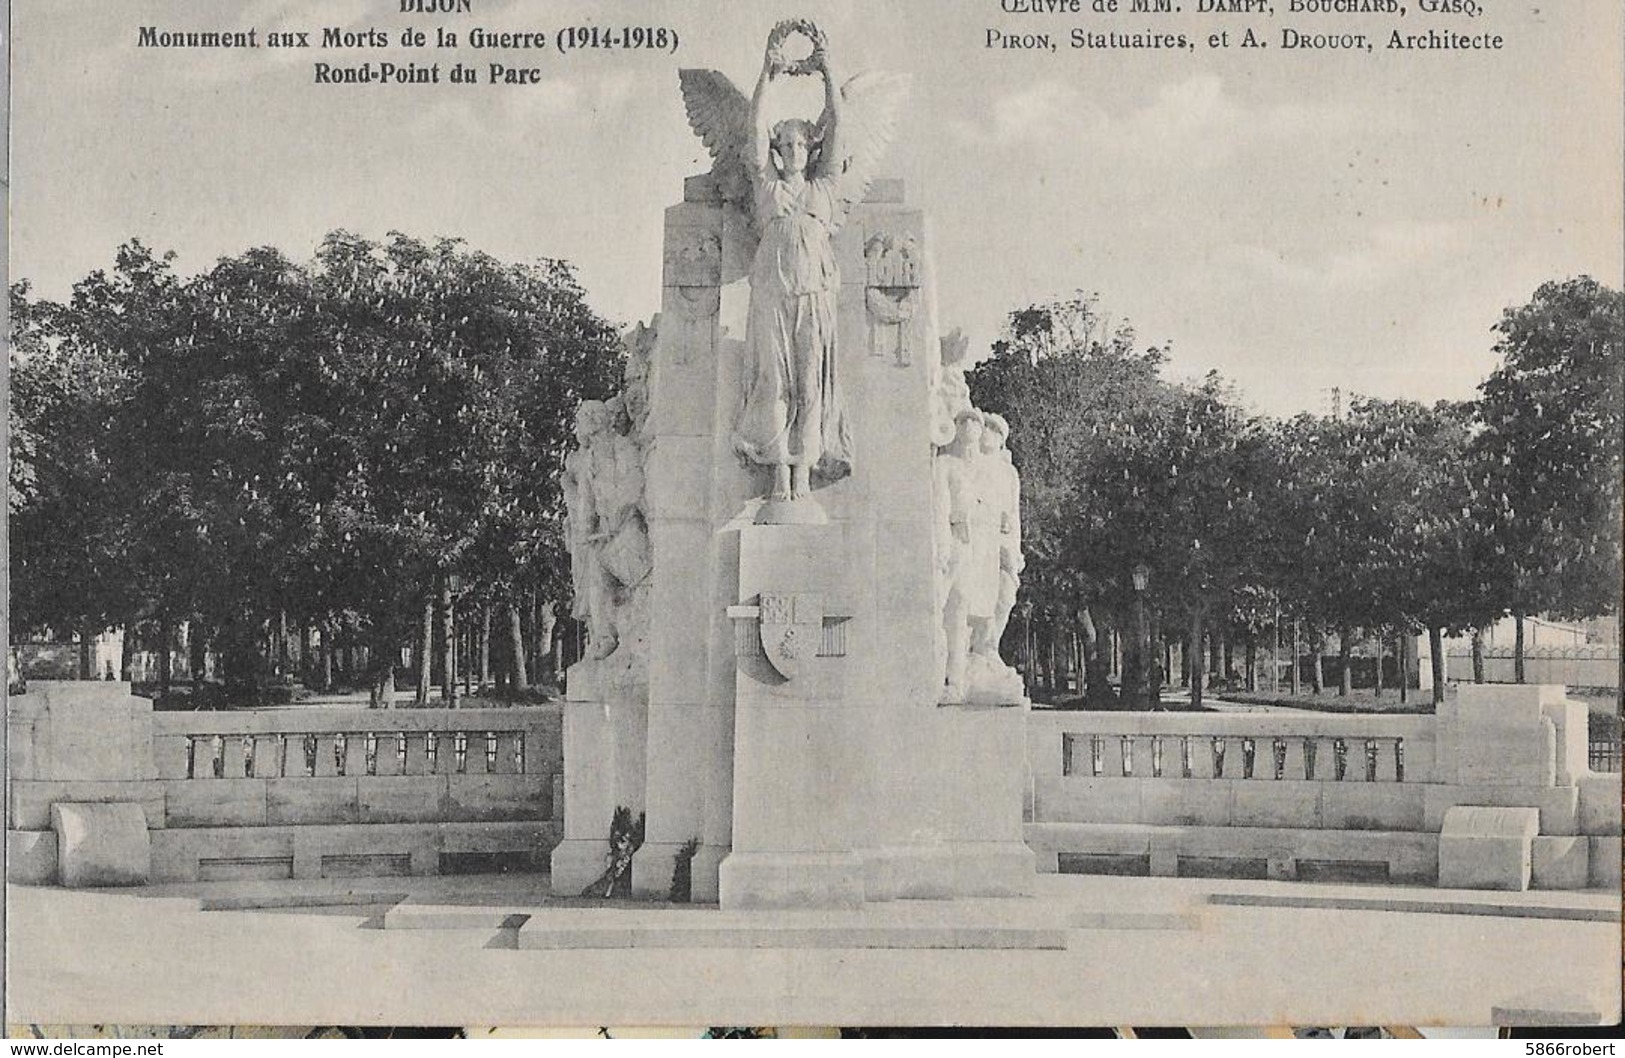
x=791 y=626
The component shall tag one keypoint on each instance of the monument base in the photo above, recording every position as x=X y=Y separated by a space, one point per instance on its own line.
x=707 y=871
x=654 y=868
x=751 y=880
x=576 y=864
x=950 y=871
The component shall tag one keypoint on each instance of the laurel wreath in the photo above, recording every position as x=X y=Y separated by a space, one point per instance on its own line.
x=775 y=45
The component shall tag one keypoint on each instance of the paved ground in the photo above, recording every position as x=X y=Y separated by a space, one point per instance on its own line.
x=1139 y=951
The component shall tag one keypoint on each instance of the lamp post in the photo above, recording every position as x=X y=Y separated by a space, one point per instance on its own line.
x=454 y=588
x=1142 y=635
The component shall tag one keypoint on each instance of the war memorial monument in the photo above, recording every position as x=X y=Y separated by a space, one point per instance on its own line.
x=800 y=541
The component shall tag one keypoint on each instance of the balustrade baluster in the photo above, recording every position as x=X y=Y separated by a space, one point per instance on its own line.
x=1249 y=758
x=1295 y=759
x=1221 y=748
x=1126 y=744
x=1096 y=752
x=1340 y=760
x=1184 y=757
x=268 y=756
x=386 y=758
x=1278 y=759
x=327 y=758
x=419 y=753
x=510 y=744
x=355 y=754
x=1156 y=756
x=232 y=763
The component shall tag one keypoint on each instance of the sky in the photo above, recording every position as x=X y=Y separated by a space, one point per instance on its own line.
x=1295 y=220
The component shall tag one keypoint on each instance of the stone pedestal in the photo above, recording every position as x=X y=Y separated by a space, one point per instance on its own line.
x=101 y=844
x=1500 y=735
x=604 y=751
x=1487 y=848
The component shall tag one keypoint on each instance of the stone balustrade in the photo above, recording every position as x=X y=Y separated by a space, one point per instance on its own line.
x=337 y=743
x=1362 y=794
x=301 y=792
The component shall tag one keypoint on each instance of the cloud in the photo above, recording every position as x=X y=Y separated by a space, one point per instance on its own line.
x=1376 y=255
x=1194 y=123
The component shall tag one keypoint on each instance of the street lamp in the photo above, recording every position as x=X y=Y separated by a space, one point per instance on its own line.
x=454 y=588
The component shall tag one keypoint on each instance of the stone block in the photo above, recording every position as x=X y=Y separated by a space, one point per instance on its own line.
x=1599 y=803
x=1571 y=721
x=1605 y=862
x=101 y=844
x=498 y=798
x=215 y=803
x=1187 y=802
x=1487 y=848
x=1087 y=800
x=1561 y=863
x=312 y=800
x=1276 y=804
x=74 y=730
x=681 y=552
x=402 y=798
x=1372 y=806
x=1497 y=734
x=31 y=800
x=791 y=880
x=1559 y=805
x=31 y=857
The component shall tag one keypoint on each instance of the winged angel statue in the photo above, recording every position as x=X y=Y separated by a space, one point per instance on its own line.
x=797 y=182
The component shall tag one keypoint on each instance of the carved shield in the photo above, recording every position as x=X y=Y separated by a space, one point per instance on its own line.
x=792 y=625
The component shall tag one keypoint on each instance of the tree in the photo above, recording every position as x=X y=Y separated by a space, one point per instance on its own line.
x=1549 y=453
x=269 y=446
x=1062 y=374
x=74 y=559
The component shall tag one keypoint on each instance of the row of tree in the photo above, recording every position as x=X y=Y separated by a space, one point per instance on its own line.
x=1387 y=520
x=347 y=448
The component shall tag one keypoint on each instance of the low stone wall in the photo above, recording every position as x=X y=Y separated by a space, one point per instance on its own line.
x=285 y=793
x=1286 y=795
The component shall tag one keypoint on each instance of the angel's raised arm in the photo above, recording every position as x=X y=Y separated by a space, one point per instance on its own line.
x=761 y=137
x=830 y=151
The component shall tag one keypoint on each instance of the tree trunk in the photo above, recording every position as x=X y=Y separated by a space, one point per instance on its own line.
x=325 y=677
x=1345 y=658
x=1377 y=689
x=282 y=669
x=1157 y=664
x=1229 y=659
x=1517 y=648
x=304 y=667
x=1317 y=671
x=1478 y=655
x=1215 y=658
x=166 y=660
x=1195 y=665
x=84 y=652
x=1297 y=656
x=547 y=620
x=126 y=660
x=425 y=654
x=198 y=654
x=1185 y=661
x=516 y=636
x=381 y=675
x=485 y=646
x=448 y=645
x=1402 y=655
x=1251 y=661
x=1436 y=646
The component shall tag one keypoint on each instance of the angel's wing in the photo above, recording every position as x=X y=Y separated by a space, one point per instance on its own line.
x=720 y=116
x=871 y=104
